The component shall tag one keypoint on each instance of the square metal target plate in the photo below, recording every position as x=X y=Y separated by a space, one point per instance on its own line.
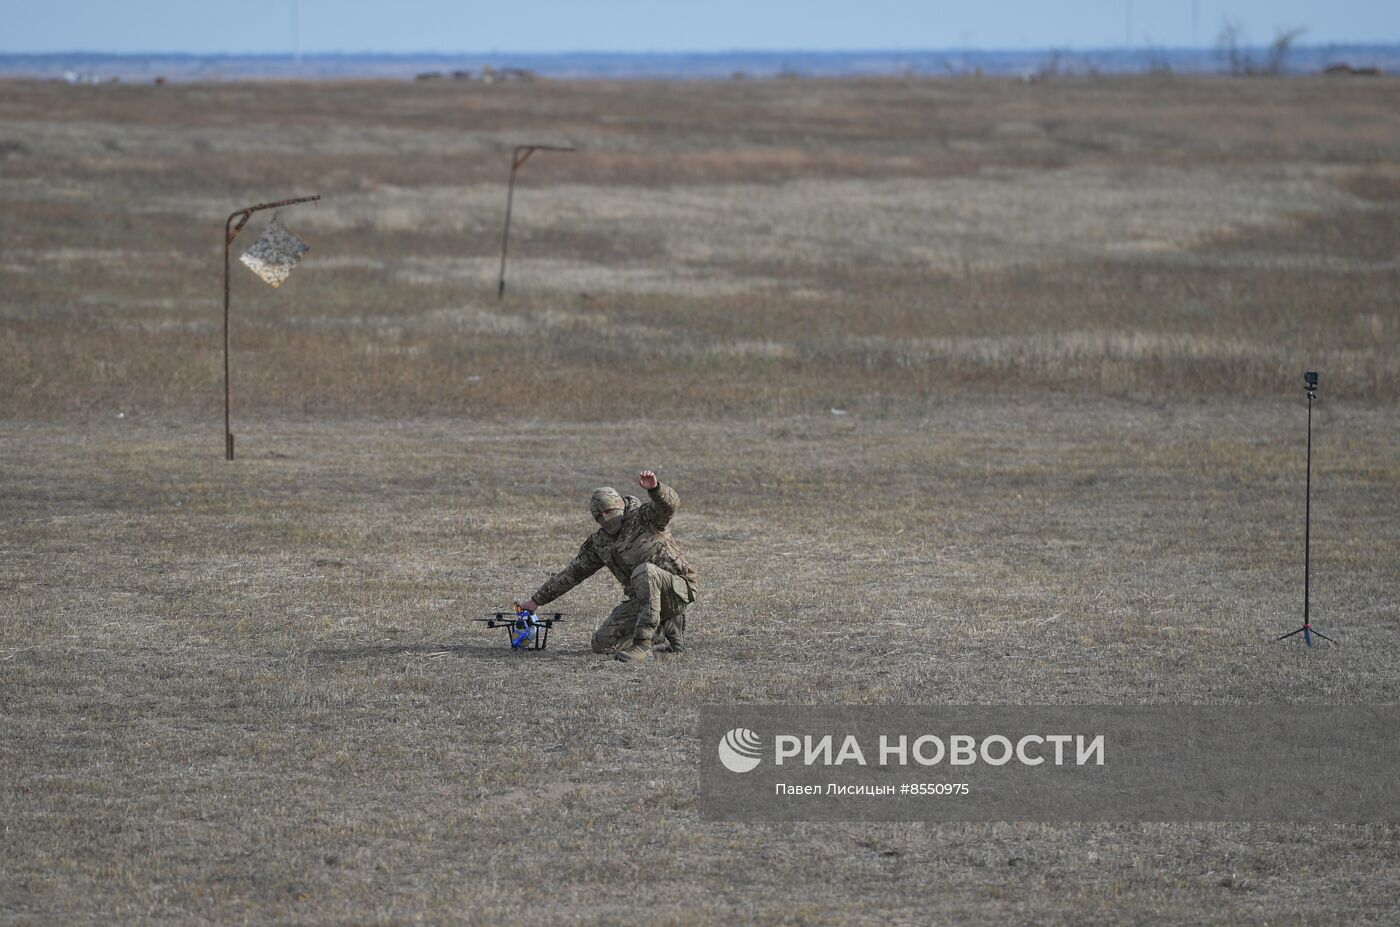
x=275 y=253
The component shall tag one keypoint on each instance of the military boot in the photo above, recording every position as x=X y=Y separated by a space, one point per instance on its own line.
x=635 y=652
x=674 y=631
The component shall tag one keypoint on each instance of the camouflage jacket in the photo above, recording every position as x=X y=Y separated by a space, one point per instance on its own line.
x=643 y=538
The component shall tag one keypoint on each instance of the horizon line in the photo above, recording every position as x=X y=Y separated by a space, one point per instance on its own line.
x=958 y=50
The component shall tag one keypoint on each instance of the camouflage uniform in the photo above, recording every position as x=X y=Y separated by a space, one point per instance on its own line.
x=644 y=558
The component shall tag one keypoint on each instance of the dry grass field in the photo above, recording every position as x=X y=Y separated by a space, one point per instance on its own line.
x=974 y=391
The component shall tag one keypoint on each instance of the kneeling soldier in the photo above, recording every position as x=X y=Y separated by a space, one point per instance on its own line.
x=633 y=543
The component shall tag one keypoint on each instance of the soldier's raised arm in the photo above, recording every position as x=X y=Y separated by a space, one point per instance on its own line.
x=664 y=500
x=584 y=565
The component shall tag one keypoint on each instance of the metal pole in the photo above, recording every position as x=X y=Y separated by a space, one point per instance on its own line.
x=518 y=156
x=1307 y=630
x=230 y=233
x=228 y=433
x=505 y=234
x=1307 y=531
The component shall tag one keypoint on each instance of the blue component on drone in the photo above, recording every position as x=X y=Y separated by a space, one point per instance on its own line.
x=526 y=630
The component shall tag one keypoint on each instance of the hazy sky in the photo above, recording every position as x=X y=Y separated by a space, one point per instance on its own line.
x=268 y=26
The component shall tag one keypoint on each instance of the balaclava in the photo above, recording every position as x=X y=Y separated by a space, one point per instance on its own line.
x=606 y=500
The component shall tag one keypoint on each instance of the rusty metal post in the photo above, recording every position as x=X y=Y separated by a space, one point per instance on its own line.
x=518 y=156
x=230 y=233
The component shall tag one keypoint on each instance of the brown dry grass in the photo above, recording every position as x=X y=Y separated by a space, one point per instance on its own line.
x=1065 y=324
x=866 y=244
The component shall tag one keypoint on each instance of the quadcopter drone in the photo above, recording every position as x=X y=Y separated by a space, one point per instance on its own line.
x=527 y=630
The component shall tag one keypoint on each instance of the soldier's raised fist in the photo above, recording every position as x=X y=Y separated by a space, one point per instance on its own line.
x=647 y=479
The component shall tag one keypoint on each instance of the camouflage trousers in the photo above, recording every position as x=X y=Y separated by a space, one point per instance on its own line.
x=653 y=611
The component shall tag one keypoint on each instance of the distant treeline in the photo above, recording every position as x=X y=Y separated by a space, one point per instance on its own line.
x=1297 y=59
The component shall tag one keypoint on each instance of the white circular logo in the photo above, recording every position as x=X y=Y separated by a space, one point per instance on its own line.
x=739 y=749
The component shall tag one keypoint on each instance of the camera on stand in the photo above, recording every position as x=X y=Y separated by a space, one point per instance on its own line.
x=1307 y=630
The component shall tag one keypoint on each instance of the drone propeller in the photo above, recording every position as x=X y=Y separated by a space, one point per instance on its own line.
x=512 y=616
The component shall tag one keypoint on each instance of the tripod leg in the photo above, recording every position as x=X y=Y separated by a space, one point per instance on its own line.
x=1308 y=632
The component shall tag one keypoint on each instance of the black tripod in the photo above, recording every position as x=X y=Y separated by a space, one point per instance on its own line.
x=1310 y=378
